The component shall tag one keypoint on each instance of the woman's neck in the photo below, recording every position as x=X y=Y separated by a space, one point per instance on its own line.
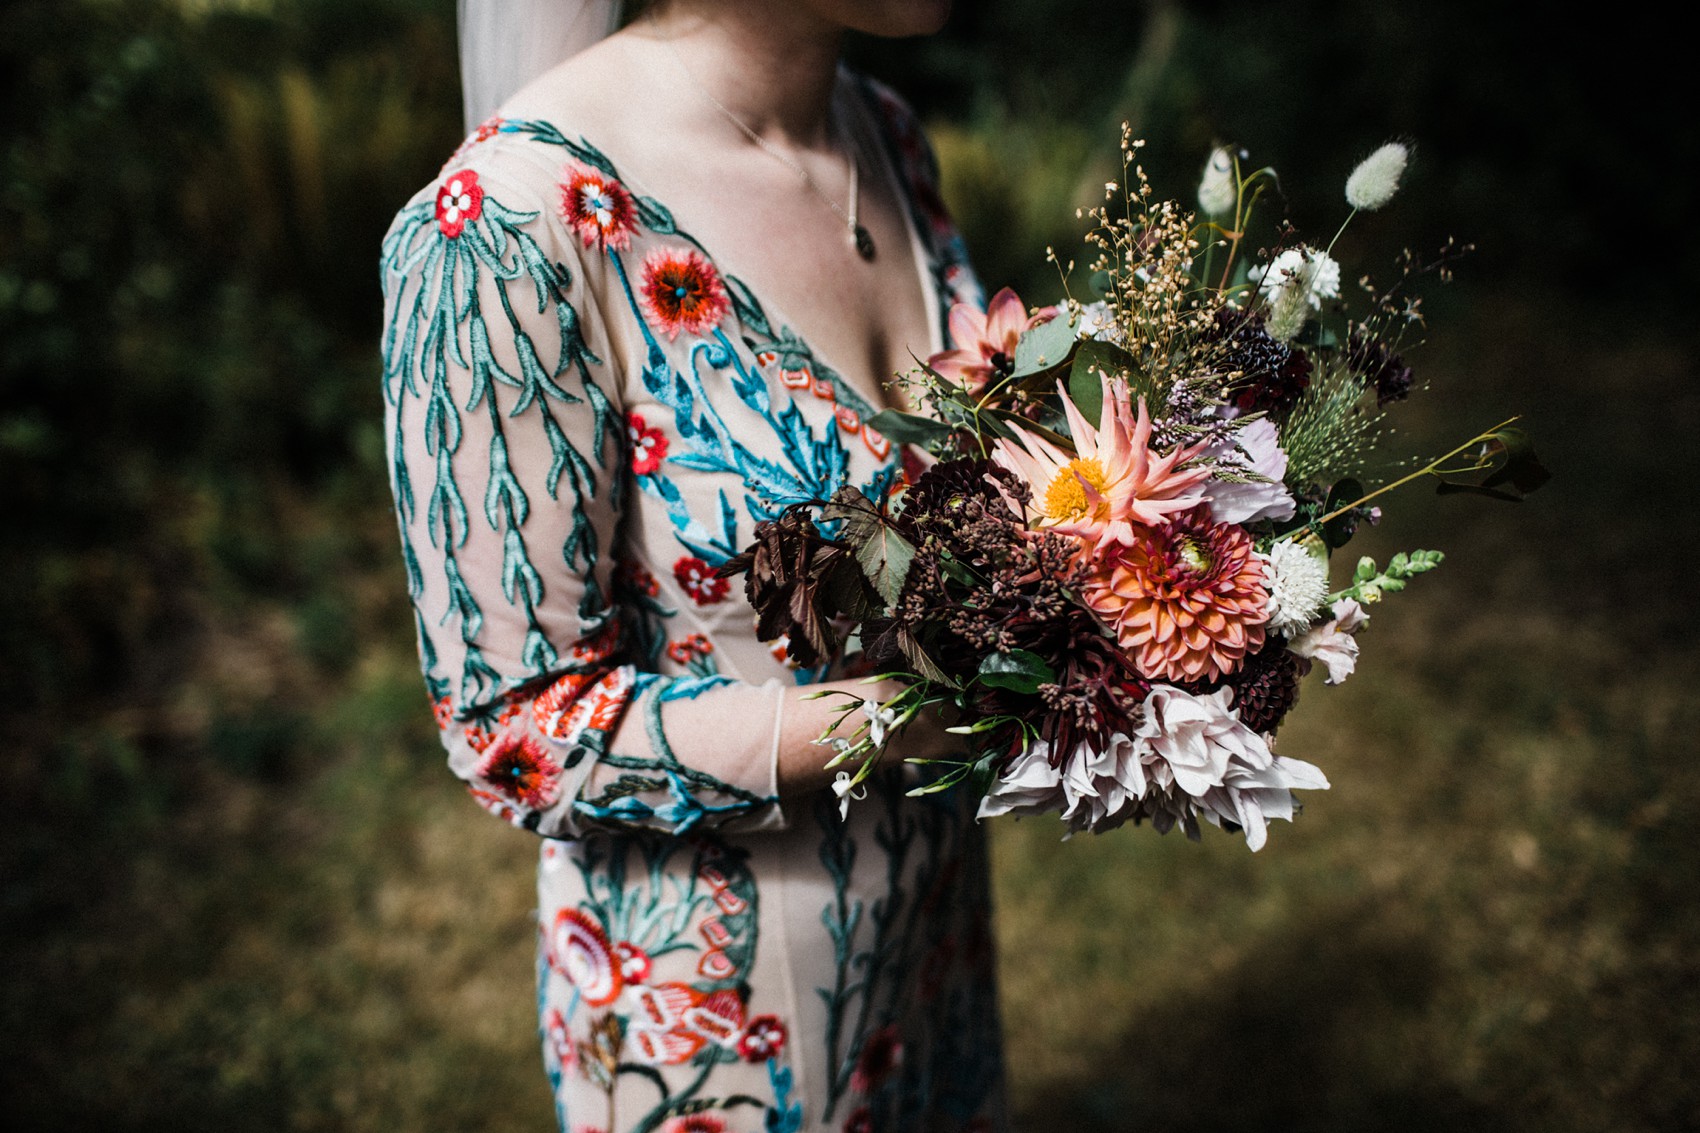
x=770 y=64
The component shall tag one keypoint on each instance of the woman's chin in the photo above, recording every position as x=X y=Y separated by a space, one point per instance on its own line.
x=890 y=19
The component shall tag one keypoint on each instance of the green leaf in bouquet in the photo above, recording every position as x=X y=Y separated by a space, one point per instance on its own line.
x=1102 y=283
x=885 y=557
x=1085 y=377
x=884 y=554
x=909 y=428
x=1515 y=469
x=848 y=591
x=996 y=422
x=1019 y=670
x=1045 y=348
x=925 y=667
x=959 y=770
x=1337 y=532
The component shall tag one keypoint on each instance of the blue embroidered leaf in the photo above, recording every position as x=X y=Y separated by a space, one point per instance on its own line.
x=503 y=490
x=462 y=604
x=559 y=447
x=538 y=653
x=517 y=572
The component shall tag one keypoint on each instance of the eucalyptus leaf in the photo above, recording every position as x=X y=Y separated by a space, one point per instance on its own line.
x=1045 y=347
x=1019 y=670
x=1085 y=378
x=909 y=428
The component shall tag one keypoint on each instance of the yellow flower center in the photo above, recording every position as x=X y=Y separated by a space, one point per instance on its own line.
x=1066 y=497
x=1192 y=555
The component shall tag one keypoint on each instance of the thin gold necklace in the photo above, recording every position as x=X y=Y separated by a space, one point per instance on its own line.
x=860 y=238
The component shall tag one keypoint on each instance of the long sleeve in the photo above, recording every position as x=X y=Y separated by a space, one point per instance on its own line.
x=513 y=464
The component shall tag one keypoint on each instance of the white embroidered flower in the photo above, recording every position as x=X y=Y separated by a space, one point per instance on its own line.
x=1375 y=180
x=1216 y=190
x=1297 y=581
x=1334 y=642
x=1259 y=452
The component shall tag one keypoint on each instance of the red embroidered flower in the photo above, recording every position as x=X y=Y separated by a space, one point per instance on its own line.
x=478 y=737
x=762 y=1039
x=460 y=201
x=444 y=711
x=520 y=768
x=598 y=208
x=682 y=291
x=633 y=962
x=560 y=1041
x=695 y=1123
x=697 y=577
x=696 y=645
x=881 y=1054
x=637 y=578
x=649 y=446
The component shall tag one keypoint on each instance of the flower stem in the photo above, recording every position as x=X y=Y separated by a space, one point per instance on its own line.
x=1432 y=466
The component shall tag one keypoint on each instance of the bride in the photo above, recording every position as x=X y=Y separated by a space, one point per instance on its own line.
x=653 y=299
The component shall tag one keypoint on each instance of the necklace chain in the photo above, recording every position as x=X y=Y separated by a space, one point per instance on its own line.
x=860 y=238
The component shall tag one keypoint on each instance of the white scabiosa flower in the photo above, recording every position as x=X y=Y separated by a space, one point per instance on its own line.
x=1298 y=587
x=1375 y=180
x=1216 y=189
x=1295 y=284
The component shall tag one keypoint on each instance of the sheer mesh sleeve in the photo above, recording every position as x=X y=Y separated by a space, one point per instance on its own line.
x=510 y=469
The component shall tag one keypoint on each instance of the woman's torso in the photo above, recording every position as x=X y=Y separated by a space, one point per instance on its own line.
x=829 y=975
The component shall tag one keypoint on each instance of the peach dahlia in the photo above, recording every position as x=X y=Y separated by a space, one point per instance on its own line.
x=1113 y=482
x=1187 y=597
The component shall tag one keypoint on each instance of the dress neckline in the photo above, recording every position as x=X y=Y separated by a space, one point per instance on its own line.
x=922 y=259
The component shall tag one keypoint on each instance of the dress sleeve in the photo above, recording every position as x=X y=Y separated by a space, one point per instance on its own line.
x=509 y=468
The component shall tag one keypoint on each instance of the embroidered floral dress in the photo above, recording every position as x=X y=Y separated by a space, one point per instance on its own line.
x=586 y=416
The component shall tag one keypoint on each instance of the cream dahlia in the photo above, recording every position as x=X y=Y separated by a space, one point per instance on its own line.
x=1188 y=597
x=1112 y=482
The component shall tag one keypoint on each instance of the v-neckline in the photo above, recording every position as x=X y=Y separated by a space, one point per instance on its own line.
x=922 y=261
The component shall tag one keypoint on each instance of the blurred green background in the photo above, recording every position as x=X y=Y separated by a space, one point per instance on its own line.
x=239 y=891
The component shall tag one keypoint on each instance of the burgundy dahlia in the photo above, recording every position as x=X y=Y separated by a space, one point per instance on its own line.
x=1272 y=375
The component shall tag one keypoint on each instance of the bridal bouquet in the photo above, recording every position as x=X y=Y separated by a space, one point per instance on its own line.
x=1109 y=561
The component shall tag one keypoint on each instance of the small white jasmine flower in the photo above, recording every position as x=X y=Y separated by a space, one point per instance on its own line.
x=846 y=788
x=1298 y=587
x=1375 y=180
x=1216 y=190
x=880 y=721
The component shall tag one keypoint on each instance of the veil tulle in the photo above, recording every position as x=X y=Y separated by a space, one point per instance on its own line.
x=504 y=44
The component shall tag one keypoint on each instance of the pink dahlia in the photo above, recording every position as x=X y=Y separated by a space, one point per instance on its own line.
x=1113 y=482
x=1187 y=597
x=984 y=341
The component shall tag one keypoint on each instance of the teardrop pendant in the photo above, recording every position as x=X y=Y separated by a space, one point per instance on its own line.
x=864 y=244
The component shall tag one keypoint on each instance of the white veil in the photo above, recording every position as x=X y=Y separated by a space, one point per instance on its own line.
x=504 y=44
